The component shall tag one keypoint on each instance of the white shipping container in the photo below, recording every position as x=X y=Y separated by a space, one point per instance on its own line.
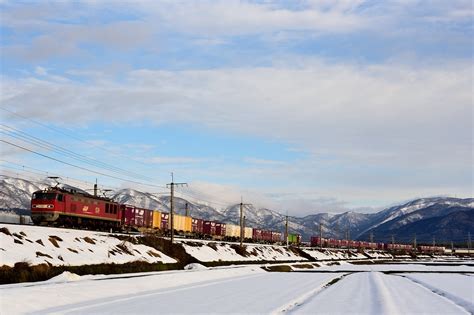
x=232 y=230
x=248 y=233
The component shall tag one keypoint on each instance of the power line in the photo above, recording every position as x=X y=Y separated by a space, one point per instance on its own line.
x=47 y=173
x=79 y=167
x=71 y=136
x=18 y=134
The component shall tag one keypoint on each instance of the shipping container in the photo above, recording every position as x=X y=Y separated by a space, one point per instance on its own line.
x=148 y=219
x=266 y=235
x=156 y=219
x=197 y=226
x=133 y=217
x=316 y=241
x=257 y=234
x=232 y=230
x=294 y=238
x=178 y=222
x=209 y=228
x=220 y=229
x=276 y=237
x=165 y=218
x=248 y=232
x=188 y=224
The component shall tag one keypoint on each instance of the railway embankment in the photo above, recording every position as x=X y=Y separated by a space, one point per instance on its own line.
x=32 y=253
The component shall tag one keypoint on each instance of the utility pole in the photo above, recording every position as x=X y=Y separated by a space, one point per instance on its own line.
x=171 y=186
x=286 y=230
x=187 y=209
x=469 y=243
x=371 y=236
x=414 y=243
x=95 y=188
x=452 y=248
x=242 y=228
x=393 y=243
x=320 y=235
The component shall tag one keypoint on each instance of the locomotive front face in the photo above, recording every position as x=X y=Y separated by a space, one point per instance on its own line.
x=45 y=206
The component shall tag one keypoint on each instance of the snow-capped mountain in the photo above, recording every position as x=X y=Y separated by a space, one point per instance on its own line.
x=402 y=220
x=15 y=194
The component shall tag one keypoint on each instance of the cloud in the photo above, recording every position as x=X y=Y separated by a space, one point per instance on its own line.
x=380 y=127
x=353 y=112
x=238 y=18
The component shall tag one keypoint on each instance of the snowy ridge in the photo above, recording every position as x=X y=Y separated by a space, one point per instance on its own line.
x=225 y=252
x=38 y=245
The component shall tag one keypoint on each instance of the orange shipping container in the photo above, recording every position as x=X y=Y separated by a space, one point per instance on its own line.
x=188 y=224
x=156 y=219
x=178 y=222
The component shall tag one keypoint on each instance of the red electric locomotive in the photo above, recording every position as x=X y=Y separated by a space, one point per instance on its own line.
x=56 y=206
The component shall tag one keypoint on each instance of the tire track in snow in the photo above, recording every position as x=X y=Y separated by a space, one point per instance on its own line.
x=290 y=306
x=468 y=306
x=376 y=293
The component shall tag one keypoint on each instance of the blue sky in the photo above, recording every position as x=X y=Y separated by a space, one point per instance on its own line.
x=305 y=106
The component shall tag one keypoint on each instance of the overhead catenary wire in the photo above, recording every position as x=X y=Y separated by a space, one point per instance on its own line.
x=43 y=173
x=80 y=167
x=70 y=135
x=23 y=136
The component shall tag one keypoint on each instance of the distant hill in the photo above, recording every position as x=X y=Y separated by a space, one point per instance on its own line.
x=444 y=218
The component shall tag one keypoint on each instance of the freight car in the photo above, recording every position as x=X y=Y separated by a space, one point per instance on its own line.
x=316 y=241
x=431 y=249
x=294 y=239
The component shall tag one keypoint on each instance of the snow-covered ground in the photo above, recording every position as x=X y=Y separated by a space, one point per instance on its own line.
x=219 y=251
x=248 y=289
x=338 y=254
x=55 y=246
x=38 y=245
x=378 y=293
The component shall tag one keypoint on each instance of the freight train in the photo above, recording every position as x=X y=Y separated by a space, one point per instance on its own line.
x=317 y=241
x=61 y=207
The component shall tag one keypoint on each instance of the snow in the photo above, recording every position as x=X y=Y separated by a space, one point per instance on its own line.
x=195 y=266
x=218 y=251
x=36 y=245
x=456 y=287
x=66 y=276
x=377 y=293
x=230 y=290
x=249 y=289
x=333 y=254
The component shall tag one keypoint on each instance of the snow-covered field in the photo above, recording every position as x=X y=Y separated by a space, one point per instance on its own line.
x=249 y=289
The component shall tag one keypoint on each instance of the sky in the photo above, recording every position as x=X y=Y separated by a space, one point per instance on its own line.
x=298 y=106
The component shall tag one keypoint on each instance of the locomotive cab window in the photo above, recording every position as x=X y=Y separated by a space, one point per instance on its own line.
x=60 y=197
x=44 y=196
x=107 y=208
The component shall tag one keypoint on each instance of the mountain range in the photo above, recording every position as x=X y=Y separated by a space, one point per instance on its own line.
x=439 y=219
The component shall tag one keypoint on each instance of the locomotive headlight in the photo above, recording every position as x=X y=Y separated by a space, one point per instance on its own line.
x=49 y=206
